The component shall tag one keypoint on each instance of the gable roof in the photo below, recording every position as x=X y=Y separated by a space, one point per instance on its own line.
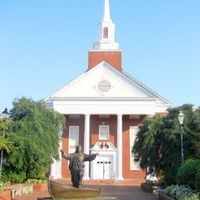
x=104 y=82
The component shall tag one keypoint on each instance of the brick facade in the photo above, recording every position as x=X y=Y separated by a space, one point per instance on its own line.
x=94 y=128
x=113 y=58
x=127 y=173
x=65 y=140
x=95 y=121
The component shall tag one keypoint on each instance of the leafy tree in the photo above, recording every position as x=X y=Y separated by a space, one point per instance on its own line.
x=148 y=143
x=6 y=144
x=187 y=173
x=196 y=141
x=158 y=141
x=35 y=138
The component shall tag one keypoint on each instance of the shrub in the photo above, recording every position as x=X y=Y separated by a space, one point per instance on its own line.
x=3 y=185
x=170 y=176
x=197 y=180
x=15 y=177
x=34 y=137
x=187 y=173
x=192 y=197
x=177 y=192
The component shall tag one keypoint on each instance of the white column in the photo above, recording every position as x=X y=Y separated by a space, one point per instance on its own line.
x=56 y=166
x=119 y=147
x=86 y=145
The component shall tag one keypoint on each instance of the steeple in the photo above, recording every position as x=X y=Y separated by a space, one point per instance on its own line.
x=106 y=40
x=106 y=16
x=106 y=49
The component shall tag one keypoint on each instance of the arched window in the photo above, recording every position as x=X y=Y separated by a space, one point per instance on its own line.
x=105 y=32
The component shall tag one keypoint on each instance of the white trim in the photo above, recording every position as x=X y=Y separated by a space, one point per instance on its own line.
x=86 y=144
x=136 y=99
x=123 y=77
x=133 y=130
x=56 y=166
x=146 y=88
x=103 y=99
x=119 y=147
x=107 y=107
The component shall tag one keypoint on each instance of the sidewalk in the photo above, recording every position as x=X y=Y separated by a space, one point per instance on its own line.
x=126 y=190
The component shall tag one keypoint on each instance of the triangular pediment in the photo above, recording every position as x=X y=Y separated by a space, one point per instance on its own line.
x=104 y=81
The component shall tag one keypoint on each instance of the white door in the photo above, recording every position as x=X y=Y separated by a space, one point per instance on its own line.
x=103 y=167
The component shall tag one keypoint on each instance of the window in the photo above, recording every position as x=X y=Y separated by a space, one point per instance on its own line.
x=103 y=132
x=105 y=32
x=133 y=132
x=73 y=138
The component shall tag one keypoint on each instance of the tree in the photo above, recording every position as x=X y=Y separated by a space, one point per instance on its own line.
x=5 y=143
x=148 y=143
x=158 y=141
x=35 y=138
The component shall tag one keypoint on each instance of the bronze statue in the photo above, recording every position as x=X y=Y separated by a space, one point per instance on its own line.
x=76 y=164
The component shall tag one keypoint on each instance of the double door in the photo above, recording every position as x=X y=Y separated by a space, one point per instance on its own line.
x=103 y=167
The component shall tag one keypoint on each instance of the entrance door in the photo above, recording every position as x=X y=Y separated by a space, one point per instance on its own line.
x=103 y=167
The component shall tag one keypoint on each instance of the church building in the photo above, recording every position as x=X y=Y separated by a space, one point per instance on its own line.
x=104 y=108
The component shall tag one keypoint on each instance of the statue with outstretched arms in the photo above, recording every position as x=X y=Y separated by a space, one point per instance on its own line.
x=76 y=164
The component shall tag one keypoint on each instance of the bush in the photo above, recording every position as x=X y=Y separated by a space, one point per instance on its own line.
x=3 y=185
x=186 y=174
x=197 y=180
x=180 y=193
x=192 y=197
x=15 y=177
x=35 y=139
x=177 y=192
x=170 y=176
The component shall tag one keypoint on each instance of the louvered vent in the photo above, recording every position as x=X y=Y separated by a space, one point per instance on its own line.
x=104 y=86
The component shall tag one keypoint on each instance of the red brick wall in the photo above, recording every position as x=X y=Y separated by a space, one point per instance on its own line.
x=71 y=122
x=127 y=173
x=95 y=121
x=113 y=58
x=94 y=128
x=6 y=195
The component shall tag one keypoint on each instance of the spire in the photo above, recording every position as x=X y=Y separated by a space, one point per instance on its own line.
x=106 y=48
x=106 y=16
x=106 y=40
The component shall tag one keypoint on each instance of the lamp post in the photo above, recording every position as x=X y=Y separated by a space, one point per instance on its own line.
x=181 y=119
x=4 y=117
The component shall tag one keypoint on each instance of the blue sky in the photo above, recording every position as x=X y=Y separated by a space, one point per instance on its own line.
x=44 y=44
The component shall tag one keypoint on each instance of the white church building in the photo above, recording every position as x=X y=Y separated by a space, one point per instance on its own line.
x=104 y=108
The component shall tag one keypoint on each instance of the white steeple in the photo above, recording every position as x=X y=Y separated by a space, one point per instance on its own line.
x=106 y=40
x=106 y=16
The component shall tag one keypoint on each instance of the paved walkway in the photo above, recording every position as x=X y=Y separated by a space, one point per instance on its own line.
x=113 y=190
